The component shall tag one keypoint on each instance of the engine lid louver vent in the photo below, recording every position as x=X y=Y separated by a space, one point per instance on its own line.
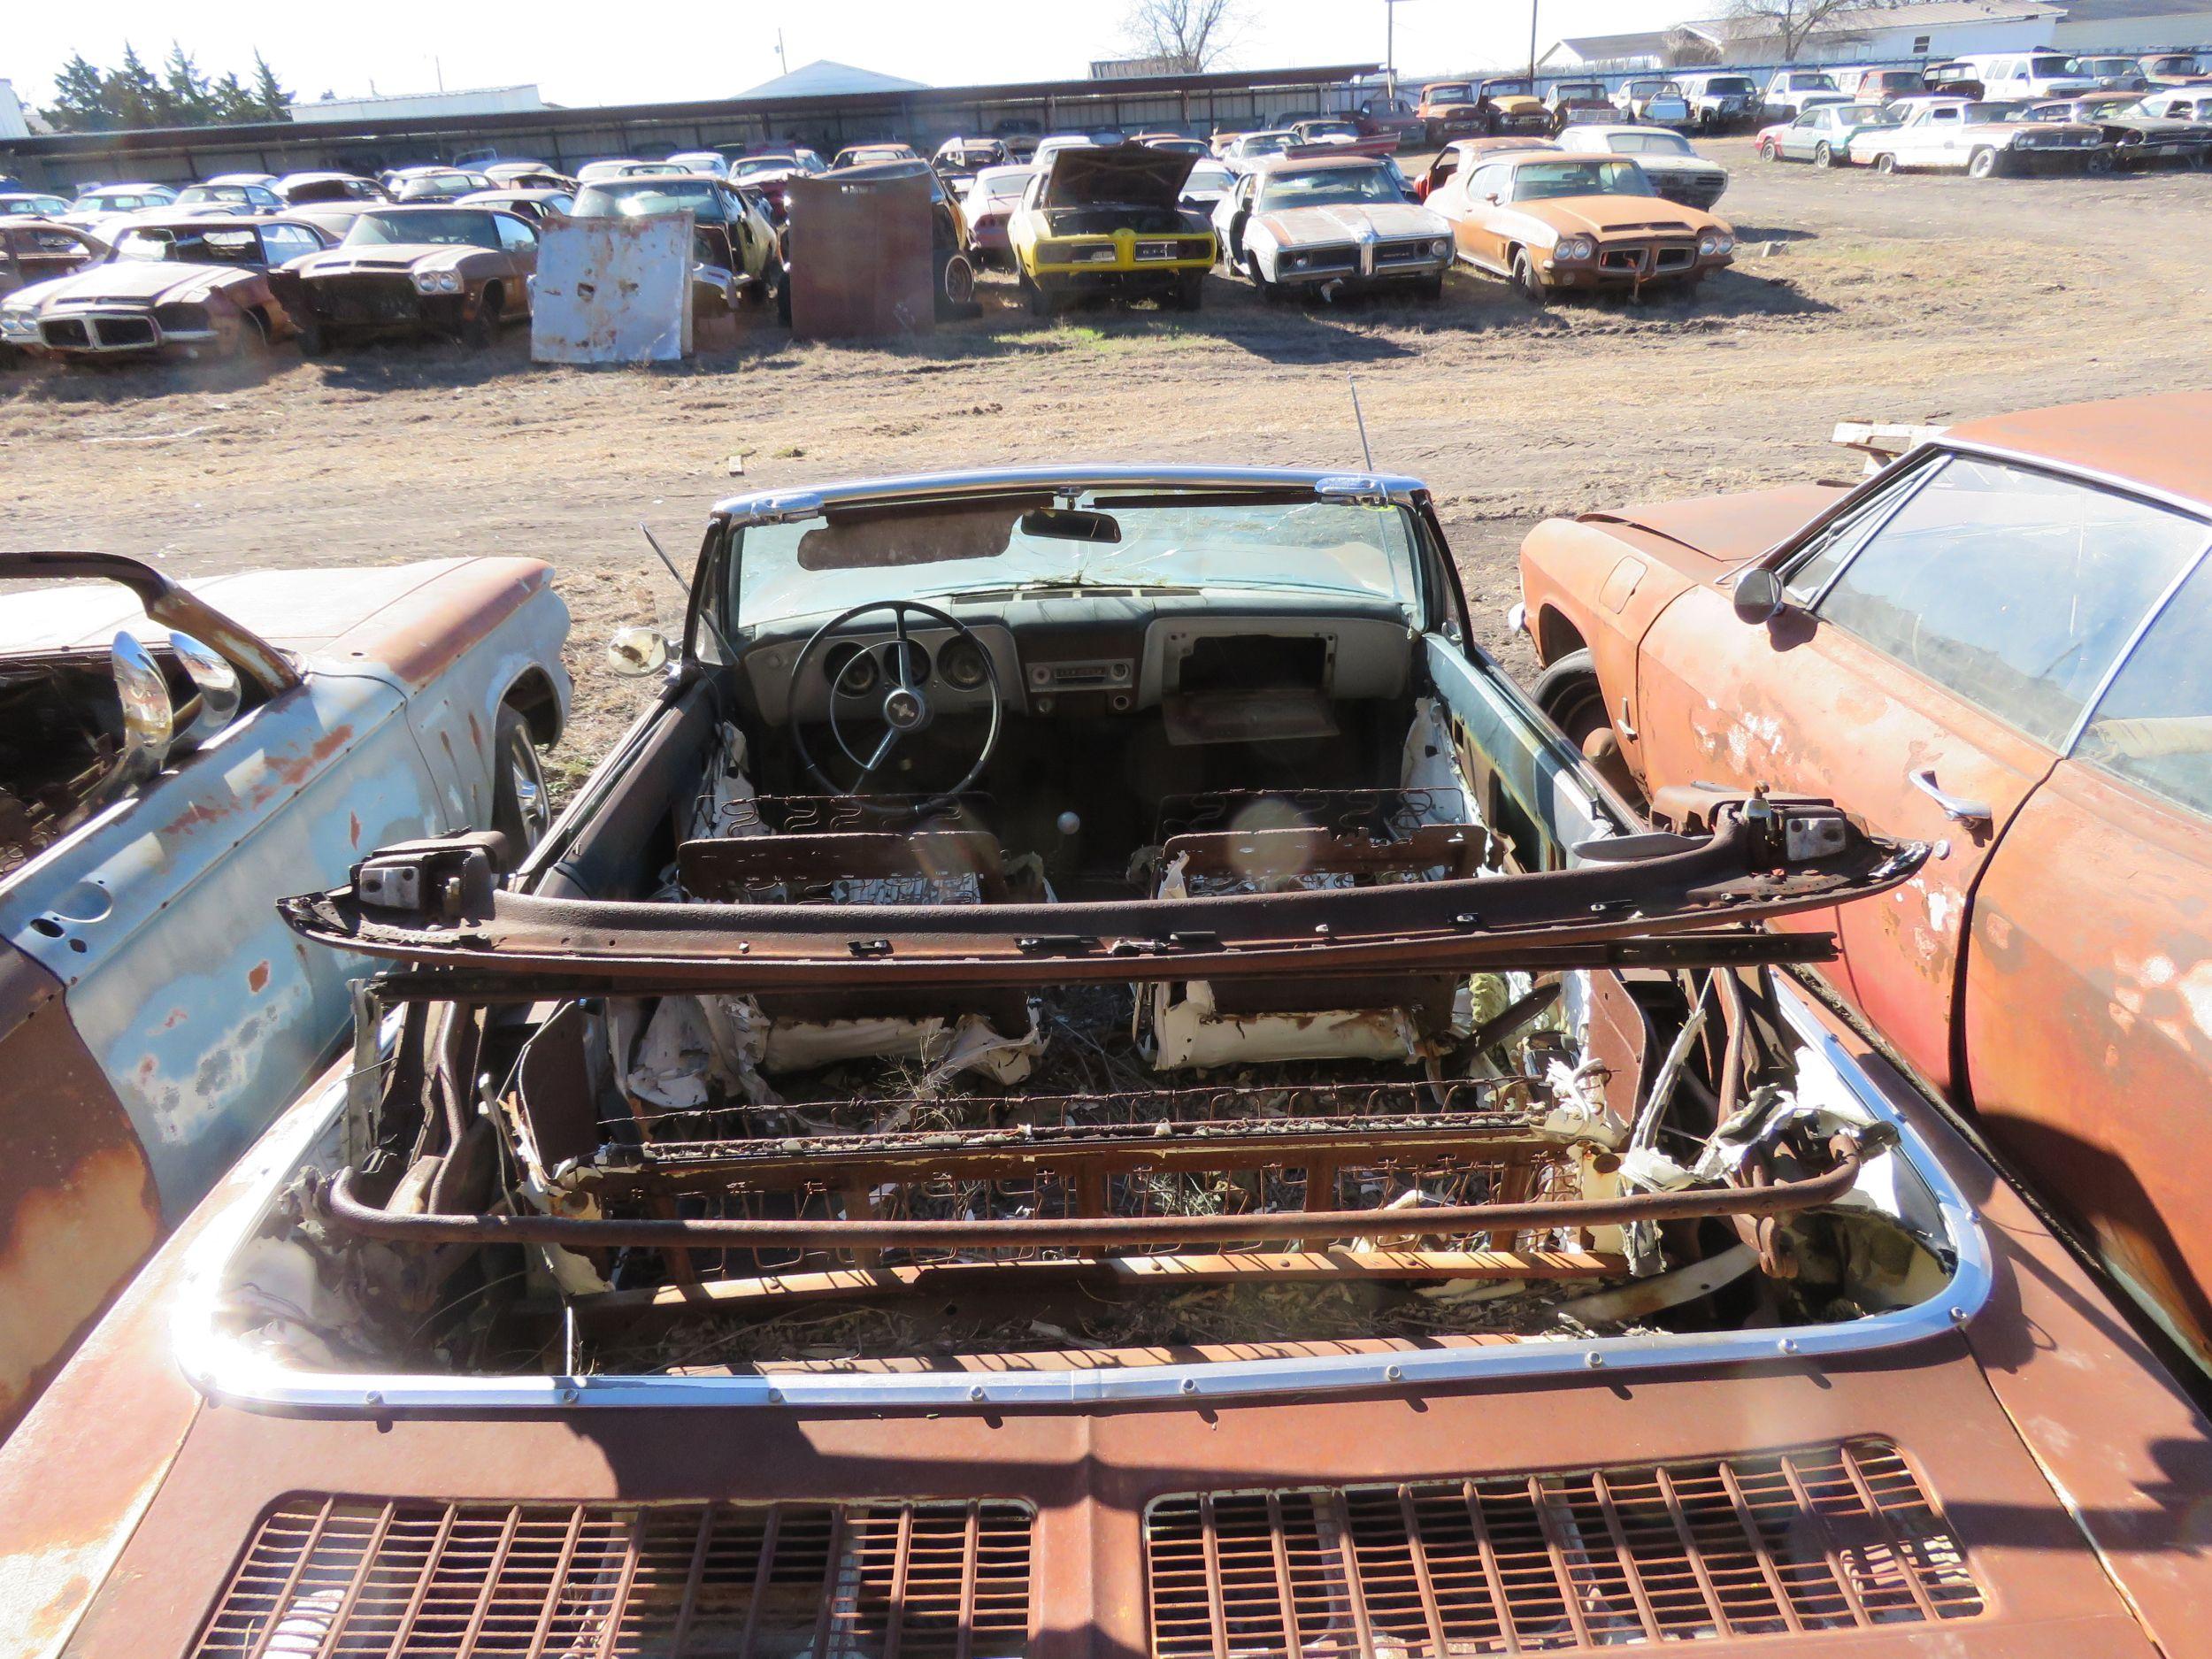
x=1829 y=1538
x=415 y=1579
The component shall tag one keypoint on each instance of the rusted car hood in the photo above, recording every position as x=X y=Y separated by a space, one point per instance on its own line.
x=1100 y=176
x=1723 y=530
x=142 y=281
x=1606 y=214
x=1297 y=227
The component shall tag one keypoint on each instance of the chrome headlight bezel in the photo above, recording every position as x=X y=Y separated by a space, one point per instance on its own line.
x=1575 y=249
x=1714 y=242
x=22 y=321
x=1440 y=247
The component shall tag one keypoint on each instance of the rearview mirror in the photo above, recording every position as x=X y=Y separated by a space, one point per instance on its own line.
x=1758 y=595
x=149 y=717
x=1071 y=523
x=635 y=652
x=217 y=682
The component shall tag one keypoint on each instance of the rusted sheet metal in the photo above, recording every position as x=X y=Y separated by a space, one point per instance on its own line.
x=1803 y=706
x=2088 y=1027
x=613 y=290
x=2156 y=441
x=78 y=1208
x=862 y=261
x=1733 y=877
x=2133 y=1452
x=1092 y=1475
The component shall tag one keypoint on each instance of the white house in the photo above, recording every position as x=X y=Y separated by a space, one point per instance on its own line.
x=1873 y=33
x=421 y=105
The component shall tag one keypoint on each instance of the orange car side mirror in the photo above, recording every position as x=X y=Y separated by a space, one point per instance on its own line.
x=1758 y=595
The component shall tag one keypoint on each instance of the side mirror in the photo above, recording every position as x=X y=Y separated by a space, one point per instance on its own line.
x=149 y=720
x=1758 y=595
x=635 y=652
x=217 y=682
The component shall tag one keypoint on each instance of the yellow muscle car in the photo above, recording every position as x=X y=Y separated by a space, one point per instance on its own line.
x=1106 y=218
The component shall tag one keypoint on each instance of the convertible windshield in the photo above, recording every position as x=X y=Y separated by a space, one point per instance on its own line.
x=457 y=225
x=1542 y=180
x=1329 y=187
x=1110 y=539
x=627 y=198
x=196 y=247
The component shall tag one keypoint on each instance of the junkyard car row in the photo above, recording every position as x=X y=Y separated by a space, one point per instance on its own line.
x=1090 y=1077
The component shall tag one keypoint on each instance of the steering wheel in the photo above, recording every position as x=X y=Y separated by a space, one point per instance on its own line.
x=905 y=711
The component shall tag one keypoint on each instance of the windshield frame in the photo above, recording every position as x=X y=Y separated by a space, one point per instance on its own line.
x=627 y=189
x=1610 y=162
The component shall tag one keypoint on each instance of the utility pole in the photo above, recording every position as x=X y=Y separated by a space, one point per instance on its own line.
x=783 y=63
x=1531 y=45
x=1390 y=46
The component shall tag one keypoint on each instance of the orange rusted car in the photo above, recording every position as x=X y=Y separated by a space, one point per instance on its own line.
x=2002 y=643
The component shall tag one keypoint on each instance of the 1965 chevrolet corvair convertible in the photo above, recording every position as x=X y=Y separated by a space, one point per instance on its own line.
x=1092 y=1079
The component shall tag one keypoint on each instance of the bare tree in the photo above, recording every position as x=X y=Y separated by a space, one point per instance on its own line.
x=1191 y=35
x=1790 y=26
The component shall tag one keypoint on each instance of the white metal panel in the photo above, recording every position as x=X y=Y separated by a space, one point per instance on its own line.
x=613 y=290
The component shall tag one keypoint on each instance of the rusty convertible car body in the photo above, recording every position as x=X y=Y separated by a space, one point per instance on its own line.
x=1998 y=643
x=171 y=757
x=1549 y=219
x=1089 y=1081
x=187 y=285
x=460 y=272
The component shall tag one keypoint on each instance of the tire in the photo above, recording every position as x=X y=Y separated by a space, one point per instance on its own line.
x=1886 y=162
x=1190 y=291
x=1982 y=164
x=1570 y=697
x=314 y=340
x=1770 y=150
x=480 y=332
x=521 y=809
x=1823 y=155
x=1040 y=303
x=1525 y=278
x=2098 y=161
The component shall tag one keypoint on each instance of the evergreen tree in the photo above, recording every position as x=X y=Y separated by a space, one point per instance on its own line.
x=185 y=90
x=268 y=91
x=132 y=94
x=79 y=98
x=232 y=101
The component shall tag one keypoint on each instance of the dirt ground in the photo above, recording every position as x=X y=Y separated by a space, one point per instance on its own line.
x=1854 y=296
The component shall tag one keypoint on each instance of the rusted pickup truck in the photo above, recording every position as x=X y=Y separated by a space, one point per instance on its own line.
x=2000 y=644
x=1091 y=1080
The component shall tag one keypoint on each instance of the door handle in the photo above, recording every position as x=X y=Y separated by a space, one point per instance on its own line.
x=1957 y=809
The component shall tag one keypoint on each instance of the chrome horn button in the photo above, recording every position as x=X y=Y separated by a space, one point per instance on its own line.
x=905 y=709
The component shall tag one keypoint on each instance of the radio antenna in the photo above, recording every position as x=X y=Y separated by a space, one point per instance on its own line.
x=1365 y=452
x=685 y=587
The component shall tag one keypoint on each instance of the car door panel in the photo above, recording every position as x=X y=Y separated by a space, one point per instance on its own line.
x=2088 y=1025
x=1963 y=588
x=201 y=1006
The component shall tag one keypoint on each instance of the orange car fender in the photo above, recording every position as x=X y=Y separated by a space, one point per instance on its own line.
x=1590 y=585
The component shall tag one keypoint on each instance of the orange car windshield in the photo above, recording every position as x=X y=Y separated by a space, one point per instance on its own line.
x=1544 y=180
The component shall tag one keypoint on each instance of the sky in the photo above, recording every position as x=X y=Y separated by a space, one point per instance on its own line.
x=649 y=50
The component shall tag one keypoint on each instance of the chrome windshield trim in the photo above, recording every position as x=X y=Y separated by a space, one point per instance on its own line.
x=781 y=505
x=226 y=1372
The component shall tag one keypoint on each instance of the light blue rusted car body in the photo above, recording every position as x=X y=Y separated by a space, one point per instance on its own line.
x=155 y=1014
